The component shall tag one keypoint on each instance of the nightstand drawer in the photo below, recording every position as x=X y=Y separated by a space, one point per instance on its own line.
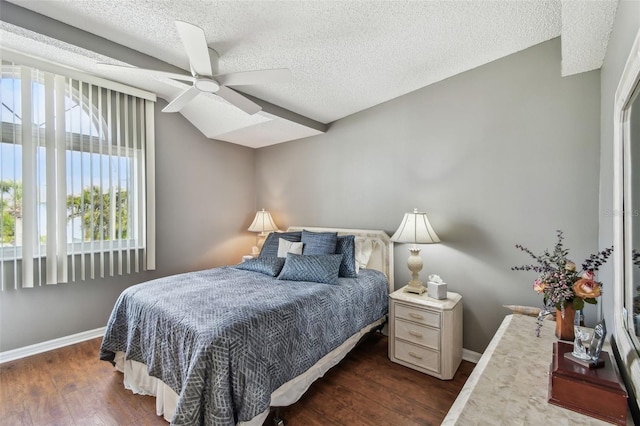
x=418 y=334
x=417 y=355
x=421 y=316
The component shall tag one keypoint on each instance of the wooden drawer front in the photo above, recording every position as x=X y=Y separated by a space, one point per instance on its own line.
x=421 y=316
x=418 y=334
x=417 y=355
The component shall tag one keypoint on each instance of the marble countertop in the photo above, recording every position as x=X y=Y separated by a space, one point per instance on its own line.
x=509 y=385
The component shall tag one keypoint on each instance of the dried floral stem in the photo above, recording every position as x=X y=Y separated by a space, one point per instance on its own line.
x=558 y=277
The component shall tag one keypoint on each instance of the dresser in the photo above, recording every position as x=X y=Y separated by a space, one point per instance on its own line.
x=426 y=333
x=510 y=383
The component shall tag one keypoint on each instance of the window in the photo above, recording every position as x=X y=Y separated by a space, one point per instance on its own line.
x=626 y=223
x=74 y=193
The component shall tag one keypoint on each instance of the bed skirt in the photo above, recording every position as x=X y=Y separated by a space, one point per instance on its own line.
x=137 y=380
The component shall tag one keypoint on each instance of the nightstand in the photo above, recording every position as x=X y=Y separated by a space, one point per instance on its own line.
x=425 y=333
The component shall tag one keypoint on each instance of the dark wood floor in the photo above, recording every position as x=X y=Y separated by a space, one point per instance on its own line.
x=364 y=389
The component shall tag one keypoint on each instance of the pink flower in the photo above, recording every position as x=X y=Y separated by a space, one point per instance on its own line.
x=539 y=286
x=589 y=275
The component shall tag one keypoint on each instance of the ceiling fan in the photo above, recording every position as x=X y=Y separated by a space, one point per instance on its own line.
x=203 y=62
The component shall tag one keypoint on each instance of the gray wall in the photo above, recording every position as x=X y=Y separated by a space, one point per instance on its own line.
x=624 y=32
x=503 y=154
x=205 y=193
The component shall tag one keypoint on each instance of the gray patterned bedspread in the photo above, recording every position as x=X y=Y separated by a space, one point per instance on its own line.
x=224 y=339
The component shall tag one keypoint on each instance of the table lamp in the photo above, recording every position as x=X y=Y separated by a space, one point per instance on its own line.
x=263 y=224
x=415 y=228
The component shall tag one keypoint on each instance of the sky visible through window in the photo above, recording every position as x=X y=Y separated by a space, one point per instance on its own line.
x=77 y=120
x=84 y=168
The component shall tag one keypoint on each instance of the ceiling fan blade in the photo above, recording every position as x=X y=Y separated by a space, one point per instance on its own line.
x=175 y=76
x=278 y=75
x=238 y=100
x=195 y=43
x=181 y=100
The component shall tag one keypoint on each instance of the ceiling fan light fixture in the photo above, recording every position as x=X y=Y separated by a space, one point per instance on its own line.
x=203 y=62
x=206 y=84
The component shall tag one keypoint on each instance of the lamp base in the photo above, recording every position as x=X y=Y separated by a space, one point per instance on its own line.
x=415 y=287
x=260 y=239
x=415 y=266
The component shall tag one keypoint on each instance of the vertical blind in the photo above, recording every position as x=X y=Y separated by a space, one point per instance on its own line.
x=76 y=179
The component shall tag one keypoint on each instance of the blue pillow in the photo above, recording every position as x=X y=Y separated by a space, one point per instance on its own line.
x=317 y=243
x=270 y=246
x=264 y=265
x=346 y=246
x=317 y=269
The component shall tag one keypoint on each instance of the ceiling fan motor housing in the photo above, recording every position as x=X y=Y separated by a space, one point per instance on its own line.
x=203 y=63
x=206 y=84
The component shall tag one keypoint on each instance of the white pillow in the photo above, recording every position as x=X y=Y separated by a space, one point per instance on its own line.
x=285 y=247
x=364 y=248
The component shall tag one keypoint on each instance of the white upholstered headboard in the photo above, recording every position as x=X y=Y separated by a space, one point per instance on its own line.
x=382 y=256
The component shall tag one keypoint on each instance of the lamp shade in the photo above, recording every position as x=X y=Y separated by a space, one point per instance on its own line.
x=263 y=222
x=415 y=228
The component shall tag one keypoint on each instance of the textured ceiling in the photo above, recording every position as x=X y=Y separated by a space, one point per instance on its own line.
x=345 y=56
x=586 y=26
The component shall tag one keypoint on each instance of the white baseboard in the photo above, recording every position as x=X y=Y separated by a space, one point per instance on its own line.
x=50 y=345
x=471 y=356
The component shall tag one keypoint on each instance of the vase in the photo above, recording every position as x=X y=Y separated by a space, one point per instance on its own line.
x=564 y=326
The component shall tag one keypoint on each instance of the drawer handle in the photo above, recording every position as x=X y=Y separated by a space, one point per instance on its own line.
x=416 y=316
x=415 y=333
x=415 y=355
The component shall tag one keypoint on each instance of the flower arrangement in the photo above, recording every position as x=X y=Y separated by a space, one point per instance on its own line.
x=559 y=281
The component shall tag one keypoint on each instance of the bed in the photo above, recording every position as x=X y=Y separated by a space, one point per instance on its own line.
x=222 y=346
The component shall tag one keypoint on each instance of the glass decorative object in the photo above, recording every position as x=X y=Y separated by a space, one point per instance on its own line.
x=581 y=343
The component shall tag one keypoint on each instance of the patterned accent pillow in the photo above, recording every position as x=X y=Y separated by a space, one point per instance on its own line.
x=285 y=247
x=270 y=246
x=317 y=243
x=317 y=269
x=347 y=247
x=264 y=265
